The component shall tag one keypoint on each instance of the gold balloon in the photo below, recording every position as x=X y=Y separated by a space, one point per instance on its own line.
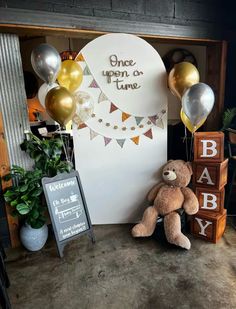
x=181 y=77
x=60 y=105
x=71 y=75
x=188 y=124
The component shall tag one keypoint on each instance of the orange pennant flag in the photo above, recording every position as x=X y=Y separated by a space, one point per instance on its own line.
x=135 y=140
x=125 y=116
x=79 y=57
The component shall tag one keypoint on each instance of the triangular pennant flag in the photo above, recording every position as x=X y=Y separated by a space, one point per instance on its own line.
x=153 y=119
x=121 y=142
x=86 y=71
x=135 y=140
x=148 y=133
x=102 y=97
x=79 y=57
x=92 y=134
x=138 y=120
x=93 y=84
x=107 y=140
x=82 y=125
x=113 y=108
x=125 y=116
x=160 y=124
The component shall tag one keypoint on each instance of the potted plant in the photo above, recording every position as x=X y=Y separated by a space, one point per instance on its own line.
x=26 y=194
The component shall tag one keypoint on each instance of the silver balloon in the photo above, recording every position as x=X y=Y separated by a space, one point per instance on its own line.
x=197 y=102
x=46 y=62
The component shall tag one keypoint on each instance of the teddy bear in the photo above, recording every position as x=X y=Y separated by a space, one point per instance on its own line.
x=167 y=197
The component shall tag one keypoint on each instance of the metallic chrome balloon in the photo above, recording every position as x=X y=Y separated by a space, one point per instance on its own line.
x=60 y=105
x=70 y=75
x=197 y=102
x=188 y=123
x=182 y=76
x=46 y=62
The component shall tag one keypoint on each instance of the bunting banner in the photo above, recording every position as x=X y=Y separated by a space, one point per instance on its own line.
x=141 y=122
x=113 y=108
x=138 y=120
x=93 y=134
x=148 y=134
x=125 y=116
x=102 y=97
x=79 y=57
x=86 y=71
x=120 y=141
x=93 y=84
x=135 y=140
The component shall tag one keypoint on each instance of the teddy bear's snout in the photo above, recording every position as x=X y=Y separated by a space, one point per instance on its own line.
x=169 y=175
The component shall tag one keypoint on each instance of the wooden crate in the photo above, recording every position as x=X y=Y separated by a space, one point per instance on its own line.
x=210 y=200
x=208 y=225
x=210 y=174
x=208 y=146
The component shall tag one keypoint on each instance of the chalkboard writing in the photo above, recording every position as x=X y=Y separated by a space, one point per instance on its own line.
x=67 y=208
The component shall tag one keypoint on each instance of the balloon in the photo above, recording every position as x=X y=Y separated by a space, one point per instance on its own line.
x=60 y=105
x=188 y=123
x=84 y=107
x=197 y=102
x=181 y=77
x=43 y=90
x=46 y=62
x=70 y=75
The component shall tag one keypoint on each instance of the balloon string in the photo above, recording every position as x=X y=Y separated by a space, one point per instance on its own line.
x=64 y=148
x=186 y=142
x=191 y=149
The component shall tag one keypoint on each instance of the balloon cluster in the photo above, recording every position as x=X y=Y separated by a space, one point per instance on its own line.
x=197 y=98
x=61 y=101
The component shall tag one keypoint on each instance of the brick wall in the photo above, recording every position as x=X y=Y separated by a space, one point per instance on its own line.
x=166 y=11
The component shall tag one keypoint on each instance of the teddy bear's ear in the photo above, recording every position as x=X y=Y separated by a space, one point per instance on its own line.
x=189 y=166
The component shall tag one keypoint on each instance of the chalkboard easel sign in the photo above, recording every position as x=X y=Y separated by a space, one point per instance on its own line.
x=67 y=208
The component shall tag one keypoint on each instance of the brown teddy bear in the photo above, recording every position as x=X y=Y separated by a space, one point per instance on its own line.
x=167 y=197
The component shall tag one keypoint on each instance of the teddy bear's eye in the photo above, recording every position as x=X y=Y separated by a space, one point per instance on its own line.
x=173 y=170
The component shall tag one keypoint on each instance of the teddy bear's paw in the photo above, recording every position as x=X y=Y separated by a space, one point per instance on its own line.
x=139 y=230
x=182 y=241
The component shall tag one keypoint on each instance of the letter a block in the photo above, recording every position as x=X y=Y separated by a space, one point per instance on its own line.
x=210 y=174
x=208 y=226
x=210 y=200
x=208 y=146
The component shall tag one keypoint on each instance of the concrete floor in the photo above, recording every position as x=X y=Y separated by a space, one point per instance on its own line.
x=121 y=272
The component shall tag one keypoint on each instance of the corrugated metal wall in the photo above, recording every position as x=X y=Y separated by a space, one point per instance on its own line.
x=13 y=98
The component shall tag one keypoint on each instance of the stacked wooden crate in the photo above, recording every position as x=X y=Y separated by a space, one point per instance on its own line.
x=209 y=179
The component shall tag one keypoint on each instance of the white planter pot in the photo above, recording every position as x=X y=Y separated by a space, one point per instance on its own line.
x=33 y=239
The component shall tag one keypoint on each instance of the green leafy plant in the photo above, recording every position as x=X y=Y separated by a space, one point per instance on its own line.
x=228 y=117
x=26 y=194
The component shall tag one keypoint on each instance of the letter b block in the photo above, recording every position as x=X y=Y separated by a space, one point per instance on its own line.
x=208 y=226
x=210 y=200
x=210 y=174
x=208 y=146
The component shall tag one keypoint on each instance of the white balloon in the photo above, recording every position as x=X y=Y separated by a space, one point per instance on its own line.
x=43 y=90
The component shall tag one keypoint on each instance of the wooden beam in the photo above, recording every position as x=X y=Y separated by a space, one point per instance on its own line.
x=65 y=22
x=13 y=224
x=215 y=78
